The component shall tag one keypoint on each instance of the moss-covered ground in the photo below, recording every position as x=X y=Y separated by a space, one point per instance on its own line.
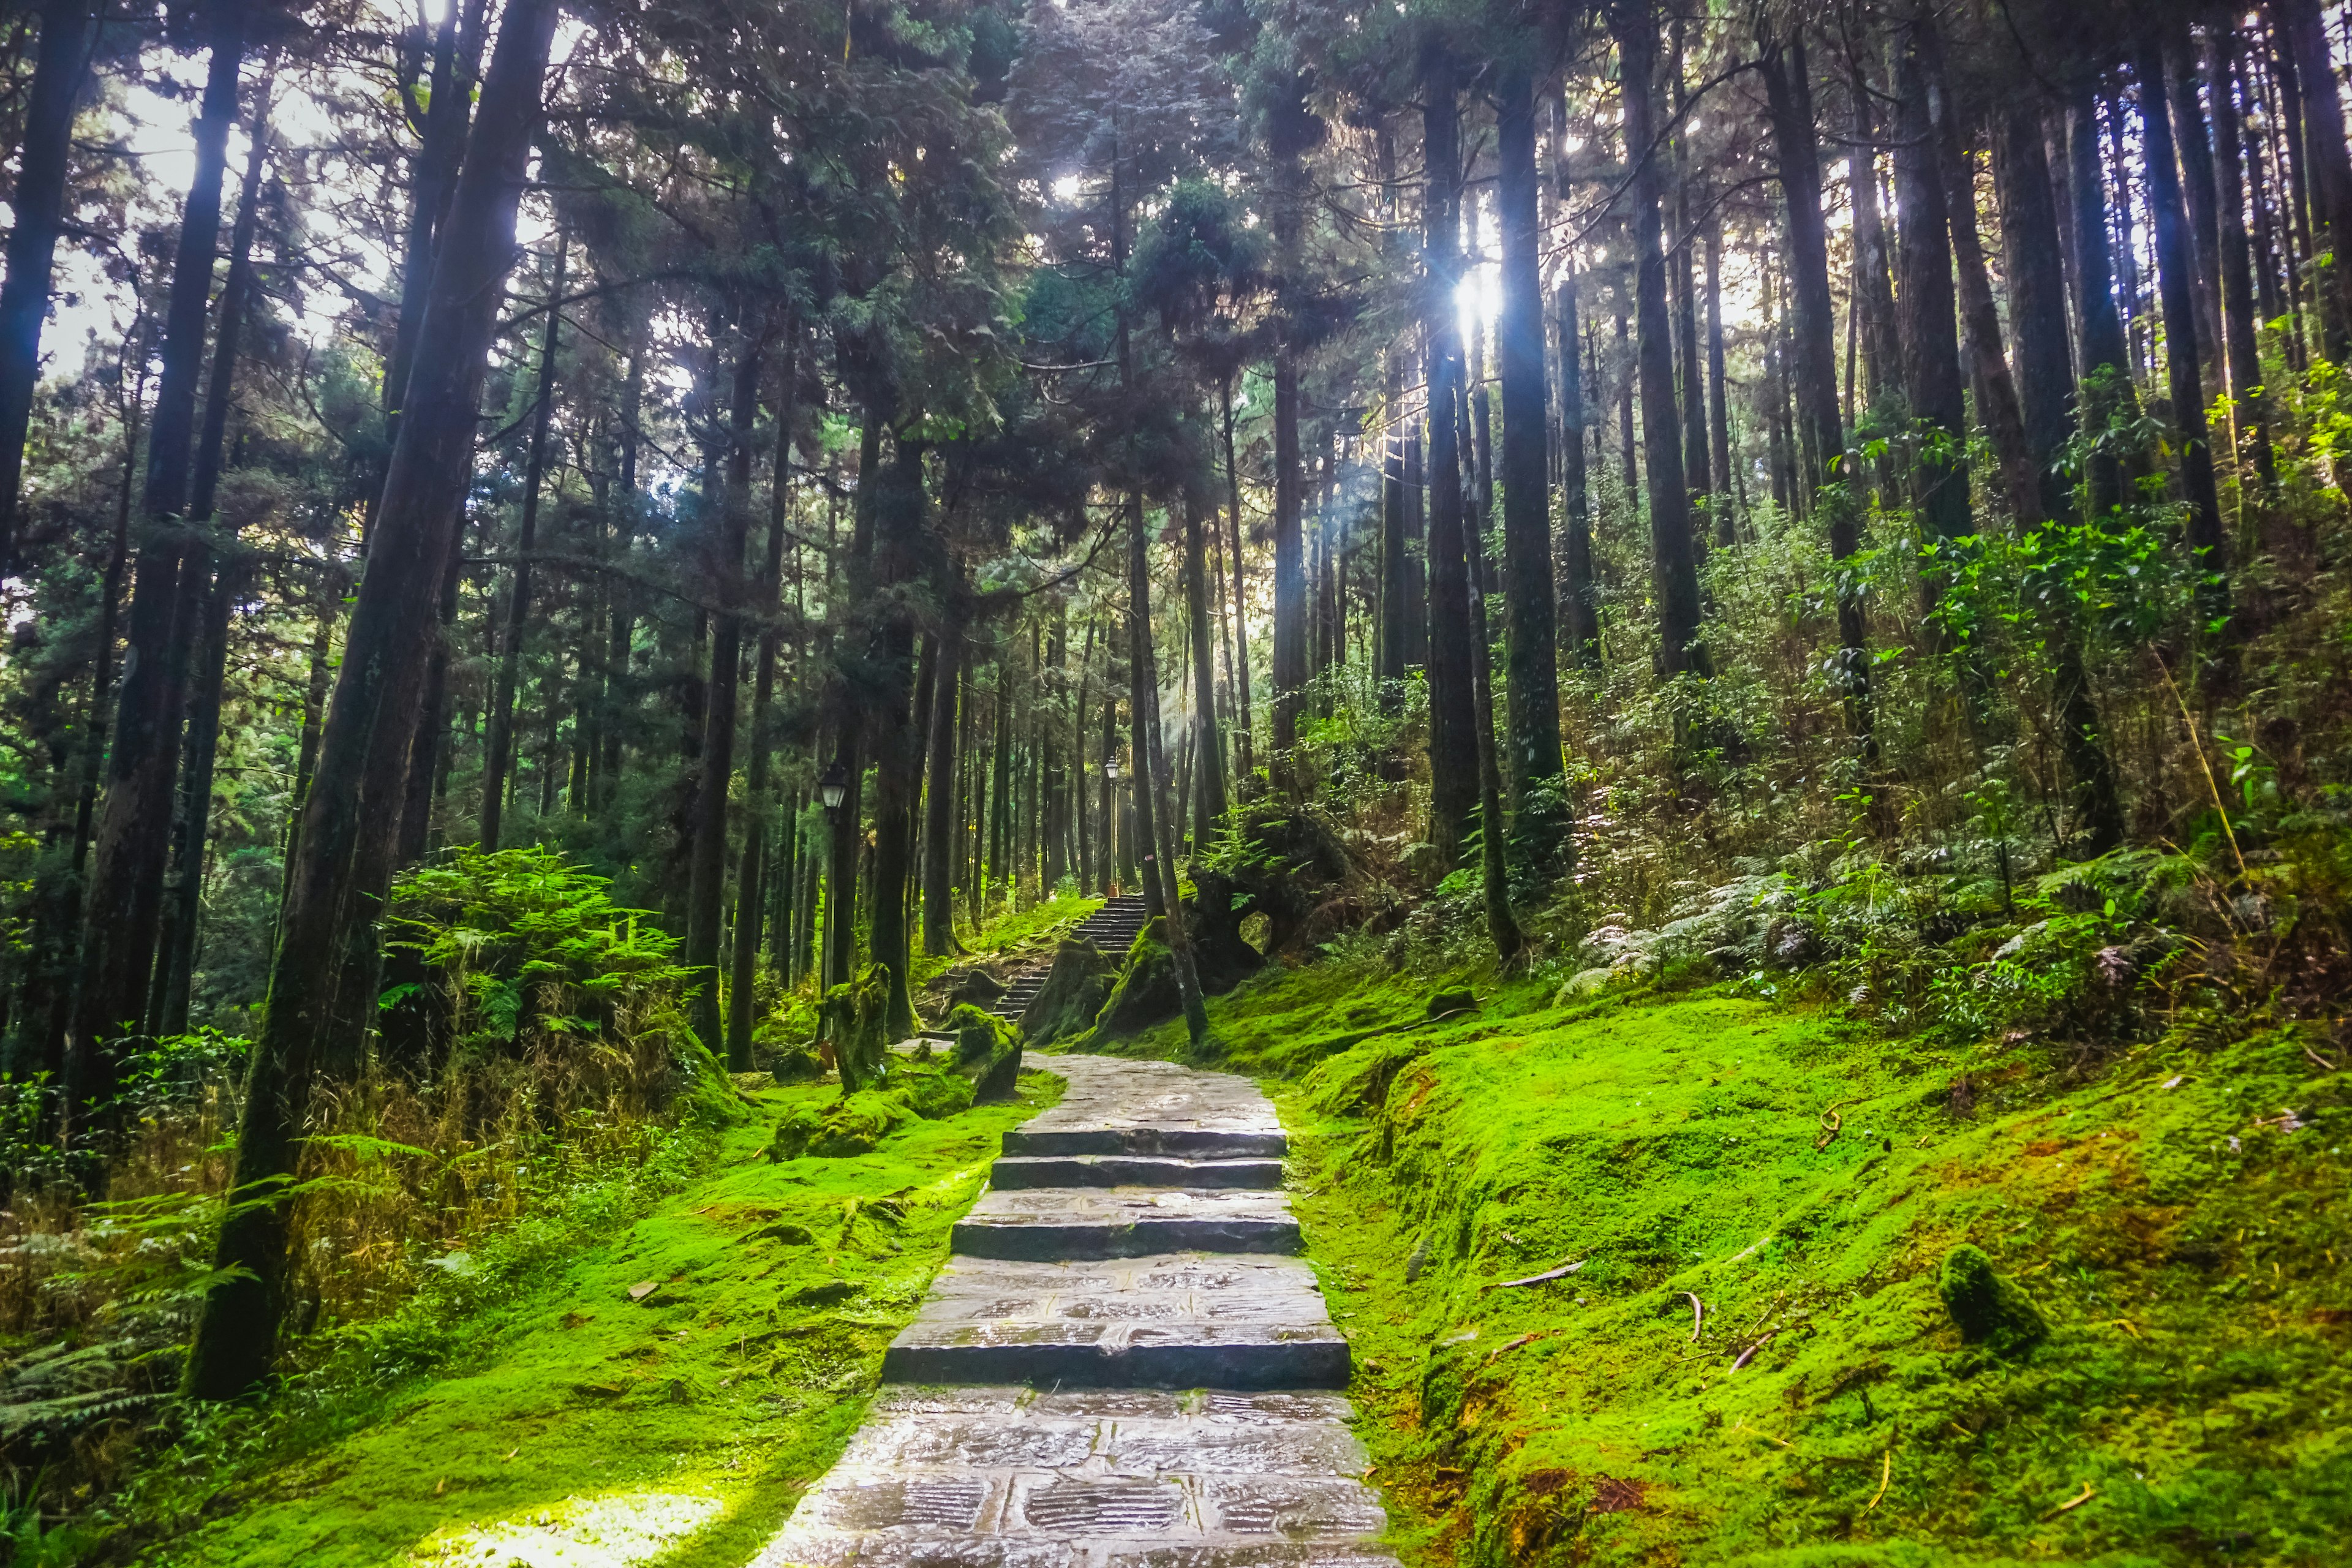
x=1744 y=1355
x=662 y=1395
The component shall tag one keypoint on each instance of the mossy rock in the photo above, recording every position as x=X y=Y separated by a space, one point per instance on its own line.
x=1221 y=956
x=1455 y=999
x=1145 y=995
x=858 y=1013
x=854 y=1125
x=1991 y=1311
x=795 y=1133
x=987 y=1053
x=796 y=1064
x=1074 y=993
x=976 y=986
x=929 y=1090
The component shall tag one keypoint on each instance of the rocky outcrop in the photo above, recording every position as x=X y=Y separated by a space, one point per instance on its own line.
x=1073 y=995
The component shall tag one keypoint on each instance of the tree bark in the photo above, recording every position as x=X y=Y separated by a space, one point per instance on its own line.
x=2106 y=398
x=123 y=904
x=376 y=693
x=60 y=70
x=2239 y=317
x=1718 y=415
x=1579 y=597
x=1671 y=547
x=1820 y=446
x=207 y=593
x=940 y=828
x=1931 y=349
x=1297 y=131
x=2176 y=282
x=1209 y=799
x=1882 y=349
x=899 y=508
x=518 y=614
x=1453 y=741
x=1535 y=785
x=1241 y=615
x=2329 y=169
x=2045 y=378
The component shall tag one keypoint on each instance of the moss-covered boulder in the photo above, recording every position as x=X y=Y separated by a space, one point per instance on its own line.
x=987 y=1053
x=1074 y=991
x=976 y=986
x=857 y=1016
x=931 y=1089
x=1146 y=993
x=1991 y=1311
x=855 y=1124
x=795 y=1133
x=1221 y=956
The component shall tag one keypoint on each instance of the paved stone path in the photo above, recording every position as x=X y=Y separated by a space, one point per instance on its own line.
x=1122 y=1366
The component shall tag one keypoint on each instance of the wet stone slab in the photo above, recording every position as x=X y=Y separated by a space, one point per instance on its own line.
x=1124 y=1222
x=1117 y=1107
x=1012 y=1477
x=1025 y=1171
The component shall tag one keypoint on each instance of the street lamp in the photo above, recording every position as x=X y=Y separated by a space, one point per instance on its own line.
x=832 y=789
x=1110 y=770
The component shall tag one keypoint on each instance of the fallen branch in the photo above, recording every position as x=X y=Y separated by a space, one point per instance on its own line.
x=1744 y=1426
x=1885 y=1474
x=1698 y=1315
x=1748 y=1354
x=2315 y=1055
x=1498 y=1350
x=1549 y=1274
x=2073 y=1503
x=1831 y=1125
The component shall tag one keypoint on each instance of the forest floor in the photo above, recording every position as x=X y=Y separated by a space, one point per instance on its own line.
x=600 y=1422
x=1737 y=1214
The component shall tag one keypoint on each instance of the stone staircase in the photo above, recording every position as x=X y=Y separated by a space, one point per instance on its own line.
x=1122 y=1365
x=1111 y=928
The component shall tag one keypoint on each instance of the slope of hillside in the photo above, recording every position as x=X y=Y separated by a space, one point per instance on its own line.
x=1668 y=1277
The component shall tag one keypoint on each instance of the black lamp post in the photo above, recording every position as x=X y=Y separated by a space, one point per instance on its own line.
x=832 y=789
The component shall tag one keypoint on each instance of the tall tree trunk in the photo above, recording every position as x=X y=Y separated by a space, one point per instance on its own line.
x=850 y=754
x=898 y=758
x=1718 y=412
x=207 y=594
x=2329 y=169
x=1494 y=863
x=1453 y=741
x=1580 y=596
x=60 y=68
x=518 y=613
x=1813 y=357
x=123 y=904
x=2197 y=180
x=1979 y=321
x=1536 y=783
x=1394 y=635
x=1926 y=309
x=2106 y=399
x=1209 y=808
x=2046 y=380
x=1296 y=130
x=1241 y=614
x=1671 y=545
x=1882 y=349
x=2239 y=316
x=433 y=179
x=2176 y=281
x=753 y=873
x=376 y=693
x=706 y=906
x=940 y=828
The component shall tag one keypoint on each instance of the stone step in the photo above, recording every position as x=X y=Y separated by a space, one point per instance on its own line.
x=1071 y=1223
x=1021 y=1172
x=1188 y=1143
x=957 y=1478
x=1182 y=1322
x=1029 y=1172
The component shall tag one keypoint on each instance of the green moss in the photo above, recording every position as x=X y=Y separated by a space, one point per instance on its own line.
x=2179 y=1244
x=678 y=1430
x=1989 y=1310
x=1074 y=992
